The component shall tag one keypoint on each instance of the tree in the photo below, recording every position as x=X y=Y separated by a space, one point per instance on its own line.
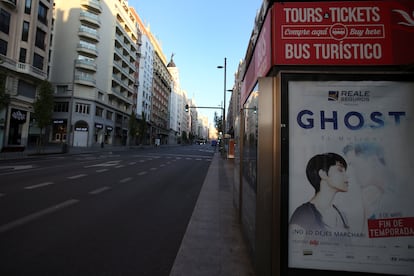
x=133 y=128
x=184 y=137
x=218 y=122
x=4 y=97
x=43 y=108
x=142 y=129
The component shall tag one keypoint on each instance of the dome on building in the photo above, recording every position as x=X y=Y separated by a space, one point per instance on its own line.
x=171 y=63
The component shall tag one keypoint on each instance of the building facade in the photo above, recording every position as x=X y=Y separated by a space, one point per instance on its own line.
x=25 y=34
x=145 y=75
x=94 y=71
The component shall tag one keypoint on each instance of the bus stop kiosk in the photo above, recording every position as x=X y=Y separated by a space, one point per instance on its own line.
x=325 y=156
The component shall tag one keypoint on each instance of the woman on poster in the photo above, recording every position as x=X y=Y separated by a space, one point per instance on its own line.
x=327 y=174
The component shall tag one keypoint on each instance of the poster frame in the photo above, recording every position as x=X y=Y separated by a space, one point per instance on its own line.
x=285 y=79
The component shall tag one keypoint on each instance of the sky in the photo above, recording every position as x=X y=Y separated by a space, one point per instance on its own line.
x=201 y=34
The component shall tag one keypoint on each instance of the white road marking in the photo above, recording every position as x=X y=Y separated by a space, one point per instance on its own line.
x=21 y=167
x=162 y=165
x=119 y=166
x=153 y=169
x=132 y=163
x=38 y=185
x=101 y=170
x=76 y=176
x=34 y=216
x=125 y=180
x=141 y=173
x=106 y=164
x=100 y=190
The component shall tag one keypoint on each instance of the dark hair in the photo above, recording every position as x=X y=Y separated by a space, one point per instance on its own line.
x=322 y=162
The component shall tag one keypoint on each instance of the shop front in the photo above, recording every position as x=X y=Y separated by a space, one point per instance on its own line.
x=325 y=129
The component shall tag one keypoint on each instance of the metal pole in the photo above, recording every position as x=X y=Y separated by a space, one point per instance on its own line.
x=224 y=104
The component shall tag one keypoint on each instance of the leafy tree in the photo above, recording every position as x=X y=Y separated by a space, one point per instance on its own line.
x=184 y=137
x=218 y=122
x=43 y=107
x=4 y=97
x=133 y=128
x=142 y=128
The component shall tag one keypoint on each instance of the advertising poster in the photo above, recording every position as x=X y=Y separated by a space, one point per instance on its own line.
x=344 y=32
x=351 y=164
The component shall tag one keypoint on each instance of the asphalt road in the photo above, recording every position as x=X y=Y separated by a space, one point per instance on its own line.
x=103 y=213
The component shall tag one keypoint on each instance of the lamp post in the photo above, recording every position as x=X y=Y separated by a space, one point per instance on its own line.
x=224 y=96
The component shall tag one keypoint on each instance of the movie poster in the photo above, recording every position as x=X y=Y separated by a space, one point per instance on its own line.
x=351 y=165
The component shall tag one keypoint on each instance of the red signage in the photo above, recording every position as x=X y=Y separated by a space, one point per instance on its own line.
x=396 y=227
x=343 y=33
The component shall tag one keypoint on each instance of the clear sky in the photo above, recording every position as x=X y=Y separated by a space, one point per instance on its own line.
x=201 y=34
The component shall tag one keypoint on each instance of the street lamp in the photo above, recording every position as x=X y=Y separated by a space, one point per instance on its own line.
x=224 y=96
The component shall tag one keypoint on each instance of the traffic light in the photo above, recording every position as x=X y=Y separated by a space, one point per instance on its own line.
x=186 y=108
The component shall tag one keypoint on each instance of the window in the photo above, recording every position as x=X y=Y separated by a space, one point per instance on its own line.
x=42 y=13
x=61 y=89
x=26 y=89
x=4 y=21
x=61 y=107
x=99 y=111
x=25 y=31
x=38 y=61
x=82 y=108
x=27 y=6
x=100 y=96
x=22 y=55
x=40 y=39
x=109 y=115
x=3 y=47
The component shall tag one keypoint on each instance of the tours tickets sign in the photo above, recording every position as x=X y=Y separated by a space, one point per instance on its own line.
x=343 y=33
x=350 y=176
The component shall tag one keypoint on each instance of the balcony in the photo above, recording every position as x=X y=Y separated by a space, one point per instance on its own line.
x=88 y=50
x=88 y=33
x=23 y=68
x=92 y=5
x=85 y=79
x=10 y=3
x=90 y=19
x=86 y=64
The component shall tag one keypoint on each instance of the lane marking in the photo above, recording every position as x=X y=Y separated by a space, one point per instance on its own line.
x=125 y=180
x=76 y=176
x=105 y=164
x=99 y=190
x=141 y=173
x=119 y=166
x=38 y=185
x=34 y=216
x=18 y=167
x=132 y=163
x=153 y=169
x=162 y=165
x=101 y=170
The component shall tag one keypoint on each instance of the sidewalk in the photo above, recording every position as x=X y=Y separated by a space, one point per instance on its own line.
x=213 y=243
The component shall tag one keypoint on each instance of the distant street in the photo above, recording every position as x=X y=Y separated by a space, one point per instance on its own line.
x=103 y=213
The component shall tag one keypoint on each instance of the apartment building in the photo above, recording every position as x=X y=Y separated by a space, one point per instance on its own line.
x=161 y=83
x=25 y=31
x=94 y=69
x=145 y=75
